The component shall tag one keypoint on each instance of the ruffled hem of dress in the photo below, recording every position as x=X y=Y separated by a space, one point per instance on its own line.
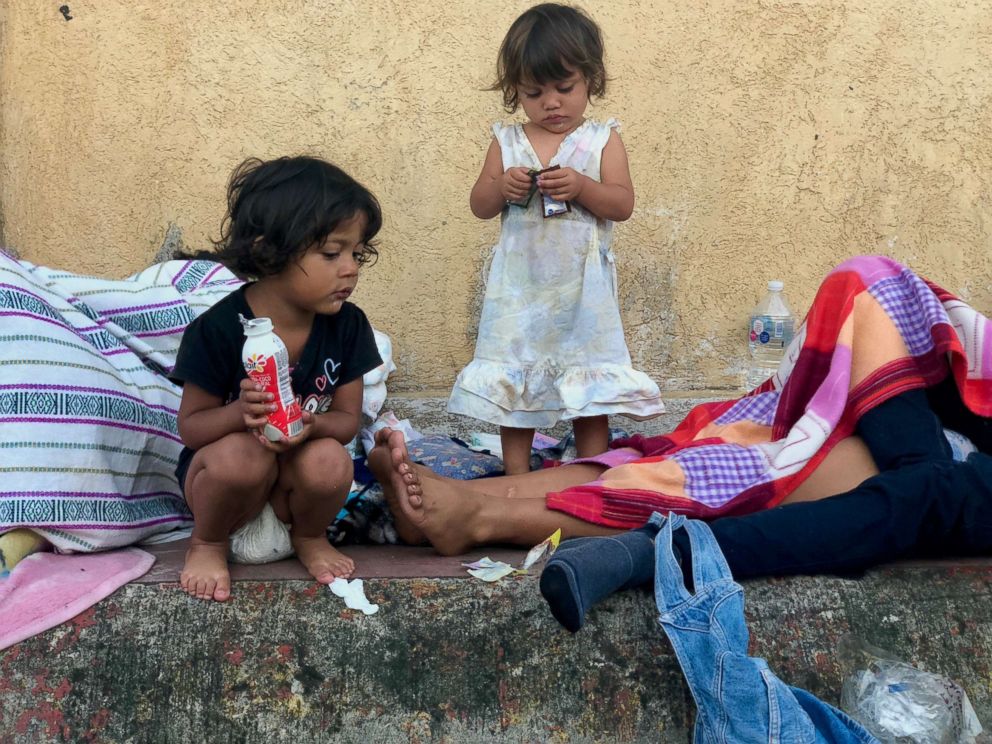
x=541 y=397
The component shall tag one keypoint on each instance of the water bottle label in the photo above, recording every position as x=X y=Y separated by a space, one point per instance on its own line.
x=760 y=326
x=765 y=329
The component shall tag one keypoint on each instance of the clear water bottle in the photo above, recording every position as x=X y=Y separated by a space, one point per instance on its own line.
x=770 y=331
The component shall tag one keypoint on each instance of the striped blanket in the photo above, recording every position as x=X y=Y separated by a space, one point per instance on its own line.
x=875 y=330
x=87 y=416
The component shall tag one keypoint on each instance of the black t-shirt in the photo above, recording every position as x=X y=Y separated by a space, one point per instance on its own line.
x=340 y=348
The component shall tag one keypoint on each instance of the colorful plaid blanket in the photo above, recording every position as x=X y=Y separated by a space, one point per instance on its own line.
x=87 y=417
x=875 y=330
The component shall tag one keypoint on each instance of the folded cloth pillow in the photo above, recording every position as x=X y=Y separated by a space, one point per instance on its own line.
x=88 y=414
x=451 y=458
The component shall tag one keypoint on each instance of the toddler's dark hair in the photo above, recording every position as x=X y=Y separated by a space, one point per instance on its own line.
x=542 y=44
x=277 y=209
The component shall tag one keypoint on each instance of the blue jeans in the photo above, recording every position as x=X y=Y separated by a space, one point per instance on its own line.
x=739 y=699
x=921 y=504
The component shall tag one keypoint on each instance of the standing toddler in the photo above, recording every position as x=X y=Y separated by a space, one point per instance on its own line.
x=551 y=344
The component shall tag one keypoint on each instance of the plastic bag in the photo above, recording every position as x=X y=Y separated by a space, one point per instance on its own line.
x=388 y=418
x=899 y=703
x=374 y=381
x=263 y=540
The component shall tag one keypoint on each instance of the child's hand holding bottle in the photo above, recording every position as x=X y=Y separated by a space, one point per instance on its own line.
x=287 y=443
x=256 y=404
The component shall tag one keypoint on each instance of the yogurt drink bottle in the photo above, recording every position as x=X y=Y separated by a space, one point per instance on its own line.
x=267 y=363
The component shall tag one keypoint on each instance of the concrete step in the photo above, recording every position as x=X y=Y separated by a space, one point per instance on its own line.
x=447 y=658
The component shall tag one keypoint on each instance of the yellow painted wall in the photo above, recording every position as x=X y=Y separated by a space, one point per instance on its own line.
x=767 y=139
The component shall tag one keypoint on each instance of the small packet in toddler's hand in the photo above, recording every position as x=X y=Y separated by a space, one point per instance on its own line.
x=525 y=200
x=552 y=207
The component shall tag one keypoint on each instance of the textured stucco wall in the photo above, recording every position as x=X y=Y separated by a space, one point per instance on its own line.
x=767 y=140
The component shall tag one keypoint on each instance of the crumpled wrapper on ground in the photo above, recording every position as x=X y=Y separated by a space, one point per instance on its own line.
x=353 y=594
x=487 y=569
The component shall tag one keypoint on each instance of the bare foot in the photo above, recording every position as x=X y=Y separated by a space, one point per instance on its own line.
x=442 y=509
x=205 y=575
x=324 y=562
x=381 y=463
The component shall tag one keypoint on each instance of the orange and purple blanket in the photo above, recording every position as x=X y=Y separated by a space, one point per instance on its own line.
x=875 y=330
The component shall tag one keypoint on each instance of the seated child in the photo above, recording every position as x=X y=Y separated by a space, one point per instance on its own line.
x=301 y=229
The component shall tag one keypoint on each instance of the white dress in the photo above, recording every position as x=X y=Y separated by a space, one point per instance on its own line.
x=550 y=344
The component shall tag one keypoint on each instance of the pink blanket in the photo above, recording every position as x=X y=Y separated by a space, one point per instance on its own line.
x=46 y=589
x=875 y=330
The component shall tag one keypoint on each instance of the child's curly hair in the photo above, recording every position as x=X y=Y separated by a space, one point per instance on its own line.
x=278 y=209
x=541 y=46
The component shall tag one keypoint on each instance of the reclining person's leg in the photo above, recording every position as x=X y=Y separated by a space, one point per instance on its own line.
x=945 y=400
x=904 y=430
x=930 y=509
x=927 y=509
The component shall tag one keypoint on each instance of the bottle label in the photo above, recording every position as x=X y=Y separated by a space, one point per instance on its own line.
x=288 y=417
x=766 y=329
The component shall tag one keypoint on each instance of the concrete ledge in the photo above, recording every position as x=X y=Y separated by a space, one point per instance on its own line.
x=450 y=659
x=371 y=561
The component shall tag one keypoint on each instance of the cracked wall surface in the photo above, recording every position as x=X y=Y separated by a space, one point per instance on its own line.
x=767 y=140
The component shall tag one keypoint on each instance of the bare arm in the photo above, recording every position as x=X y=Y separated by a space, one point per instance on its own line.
x=487 y=200
x=342 y=420
x=203 y=419
x=610 y=198
x=494 y=186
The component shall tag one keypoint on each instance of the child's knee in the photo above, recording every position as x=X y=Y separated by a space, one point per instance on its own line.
x=324 y=466
x=238 y=461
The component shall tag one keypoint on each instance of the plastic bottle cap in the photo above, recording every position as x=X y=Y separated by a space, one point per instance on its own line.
x=256 y=326
x=775 y=286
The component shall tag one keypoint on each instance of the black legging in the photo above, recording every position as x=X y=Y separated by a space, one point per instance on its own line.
x=921 y=504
